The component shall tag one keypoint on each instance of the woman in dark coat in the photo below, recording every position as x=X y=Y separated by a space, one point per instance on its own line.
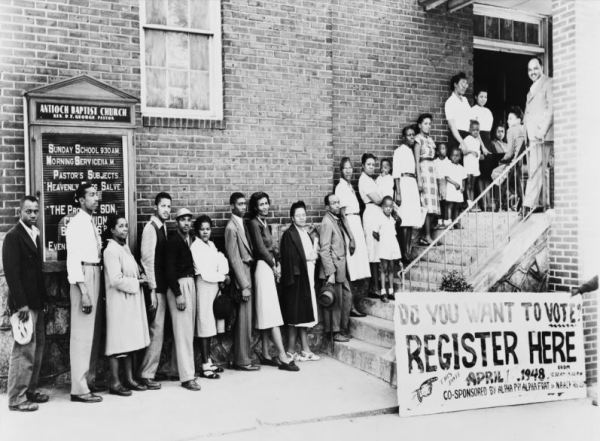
x=297 y=287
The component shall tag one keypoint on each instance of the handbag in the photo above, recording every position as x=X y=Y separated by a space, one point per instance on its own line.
x=223 y=305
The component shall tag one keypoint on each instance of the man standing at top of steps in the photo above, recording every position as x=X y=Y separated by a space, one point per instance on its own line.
x=538 y=121
x=333 y=268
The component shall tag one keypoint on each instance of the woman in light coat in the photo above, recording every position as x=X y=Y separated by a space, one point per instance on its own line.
x=126 y=320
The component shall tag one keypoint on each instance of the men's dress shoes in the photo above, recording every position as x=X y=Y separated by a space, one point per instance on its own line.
x=373 y=295
x=120 y=390
x=25 y=406
x=248 y=367
x=357 y=313
x=37 y=397
x=339 y=337
x=86 y=398
x=190 y=385
x=138 y=387
x=150 y=384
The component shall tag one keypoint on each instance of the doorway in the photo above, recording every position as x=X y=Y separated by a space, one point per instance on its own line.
x=505 y=76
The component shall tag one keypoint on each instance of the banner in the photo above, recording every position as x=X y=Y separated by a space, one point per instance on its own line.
x=457 y=351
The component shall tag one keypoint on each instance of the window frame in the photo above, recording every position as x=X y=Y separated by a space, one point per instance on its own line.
x=215 y=111
x=511 y=46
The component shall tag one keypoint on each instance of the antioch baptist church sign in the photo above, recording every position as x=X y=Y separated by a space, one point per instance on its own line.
x=80 y=130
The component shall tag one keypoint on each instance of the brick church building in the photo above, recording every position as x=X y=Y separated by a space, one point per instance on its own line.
x=249 y=95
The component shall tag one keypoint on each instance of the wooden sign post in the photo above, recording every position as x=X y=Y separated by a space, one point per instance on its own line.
x=80 y=130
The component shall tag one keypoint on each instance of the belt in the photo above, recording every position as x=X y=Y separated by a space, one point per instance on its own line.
x=408 y=175
x=425 y=159
x=91 y=263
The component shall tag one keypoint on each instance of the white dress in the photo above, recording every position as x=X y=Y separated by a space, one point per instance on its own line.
x=210 y=267
x=367 y=185
x=387 y=246
x=471 y=162
x=410 y=207
x=311 y=253
x=457 y=173
x=358 y=263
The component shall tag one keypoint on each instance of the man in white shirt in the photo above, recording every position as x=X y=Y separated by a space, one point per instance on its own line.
x=153 y=256
x=539 y=123
x=84 y=272
x=458 y=111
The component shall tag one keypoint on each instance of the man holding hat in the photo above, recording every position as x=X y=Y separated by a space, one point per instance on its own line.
x=84 y=271
x=22 y=260
x=332 y=252
x=181 y=297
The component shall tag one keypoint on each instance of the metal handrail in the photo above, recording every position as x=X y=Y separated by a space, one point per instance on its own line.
x=489 y=189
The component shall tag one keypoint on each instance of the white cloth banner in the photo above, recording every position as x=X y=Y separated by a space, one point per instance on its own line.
x=457 y=351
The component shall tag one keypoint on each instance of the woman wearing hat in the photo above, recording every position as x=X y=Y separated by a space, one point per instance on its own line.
x=298 y=299
x=268 y=312
x=126 y=322
x=211 y=269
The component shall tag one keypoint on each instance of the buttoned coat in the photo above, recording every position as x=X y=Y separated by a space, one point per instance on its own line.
x=22 y=261
x=332 y=251
x=539 y=111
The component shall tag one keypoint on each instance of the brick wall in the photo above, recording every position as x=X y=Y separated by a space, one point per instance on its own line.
x=574 y=241
x=391 y=62
x=305 y=82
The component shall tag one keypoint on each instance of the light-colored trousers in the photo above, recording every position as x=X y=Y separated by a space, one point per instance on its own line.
x=538 y=179
x=85 y=332
x=184 y=323
x=337 y=317
x=25 y=362
x=151 y=359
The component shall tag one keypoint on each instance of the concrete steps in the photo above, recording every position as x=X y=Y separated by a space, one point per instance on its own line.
x=373 y=330
x=367 y=357
x=372 y=347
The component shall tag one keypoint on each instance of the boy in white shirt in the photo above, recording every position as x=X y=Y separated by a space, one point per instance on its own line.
x=471 y=154
x=440 y=165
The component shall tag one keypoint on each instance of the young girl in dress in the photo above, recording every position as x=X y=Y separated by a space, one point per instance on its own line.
x=455 y=185
x=388 y=249
x=385 y=182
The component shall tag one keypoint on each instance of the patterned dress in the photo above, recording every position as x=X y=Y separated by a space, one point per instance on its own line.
x=429 y=196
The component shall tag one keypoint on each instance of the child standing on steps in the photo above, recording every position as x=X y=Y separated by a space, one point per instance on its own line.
x=471 y=154
x=440 y=164
x=388 y=249
x=455 y=185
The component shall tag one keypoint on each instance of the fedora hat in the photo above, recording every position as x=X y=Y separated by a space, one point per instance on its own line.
x=326 y=297
x=183 y=212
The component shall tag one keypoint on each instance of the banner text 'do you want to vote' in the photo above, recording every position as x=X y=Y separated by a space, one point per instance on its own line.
x=457 y=351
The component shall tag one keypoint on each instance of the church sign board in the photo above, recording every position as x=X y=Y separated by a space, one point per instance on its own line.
x=74 y=140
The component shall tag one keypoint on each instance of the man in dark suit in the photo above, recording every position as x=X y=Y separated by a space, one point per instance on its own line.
x=22 y=259
x=239 y=253
x=333 y=268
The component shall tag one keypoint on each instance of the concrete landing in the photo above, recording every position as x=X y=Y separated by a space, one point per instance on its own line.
x=238 y=402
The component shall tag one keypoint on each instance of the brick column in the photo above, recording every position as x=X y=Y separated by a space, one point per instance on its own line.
x=573 y=247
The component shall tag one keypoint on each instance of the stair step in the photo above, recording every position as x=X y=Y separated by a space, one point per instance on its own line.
x=373 y=330
x=434 y=272
x=377 y=308
x=367 y=357
x=418 y=286
x=441 y=254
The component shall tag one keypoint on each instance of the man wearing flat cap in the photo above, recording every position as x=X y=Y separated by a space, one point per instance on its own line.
x=181 y=297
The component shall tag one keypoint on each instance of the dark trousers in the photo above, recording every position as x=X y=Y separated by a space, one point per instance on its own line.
x=337 y=318
x=25 y=362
